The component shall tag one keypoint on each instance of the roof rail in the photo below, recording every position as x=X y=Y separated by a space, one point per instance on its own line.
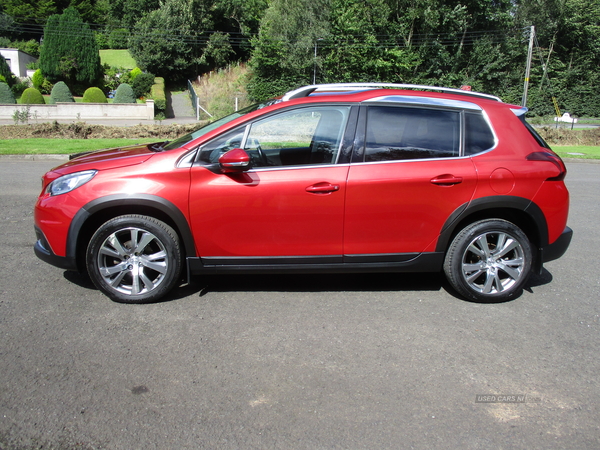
x=307 y=90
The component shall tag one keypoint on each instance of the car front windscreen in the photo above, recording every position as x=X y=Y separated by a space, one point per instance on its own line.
x=201 y=131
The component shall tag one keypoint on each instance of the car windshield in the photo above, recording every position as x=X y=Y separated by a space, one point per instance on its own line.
x=201 y=131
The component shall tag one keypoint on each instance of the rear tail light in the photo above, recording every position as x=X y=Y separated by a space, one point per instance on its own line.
x=550 y=156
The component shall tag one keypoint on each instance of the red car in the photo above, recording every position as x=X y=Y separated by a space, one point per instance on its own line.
x=329 y=178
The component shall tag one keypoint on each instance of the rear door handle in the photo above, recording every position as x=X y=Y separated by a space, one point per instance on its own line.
x=323 y=188
x=446 y=180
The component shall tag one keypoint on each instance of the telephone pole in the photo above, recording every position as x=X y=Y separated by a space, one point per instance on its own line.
x=528 y=68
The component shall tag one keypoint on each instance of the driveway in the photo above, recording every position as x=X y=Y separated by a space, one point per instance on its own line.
x=297 y=362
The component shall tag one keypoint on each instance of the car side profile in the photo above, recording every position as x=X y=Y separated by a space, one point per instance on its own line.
x=328 y=178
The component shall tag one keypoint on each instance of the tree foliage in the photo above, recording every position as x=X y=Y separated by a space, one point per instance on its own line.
x=70 y=52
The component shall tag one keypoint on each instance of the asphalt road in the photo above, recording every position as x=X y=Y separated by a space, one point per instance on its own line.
x=297 y=362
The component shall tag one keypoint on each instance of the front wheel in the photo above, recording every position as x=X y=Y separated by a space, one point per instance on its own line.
x=489 y=261
x=134 y=259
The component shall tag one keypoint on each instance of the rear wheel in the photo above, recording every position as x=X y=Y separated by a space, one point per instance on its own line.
x=134 y=259
x=489 y=261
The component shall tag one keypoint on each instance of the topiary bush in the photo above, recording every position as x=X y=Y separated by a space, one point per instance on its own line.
x=31 y=96
x=94 y=95
x=124 y=94
x=6 y=95
x=142 y=84
x=61 y=93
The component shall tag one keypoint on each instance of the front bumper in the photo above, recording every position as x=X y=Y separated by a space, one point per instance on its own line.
x=43 y=251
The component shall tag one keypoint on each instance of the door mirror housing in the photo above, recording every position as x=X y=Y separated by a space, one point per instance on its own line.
x=233 y=161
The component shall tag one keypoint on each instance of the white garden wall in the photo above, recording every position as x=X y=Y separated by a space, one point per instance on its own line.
x=83 y=111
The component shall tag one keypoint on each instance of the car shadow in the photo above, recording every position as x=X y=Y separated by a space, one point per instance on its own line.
x=357 y=282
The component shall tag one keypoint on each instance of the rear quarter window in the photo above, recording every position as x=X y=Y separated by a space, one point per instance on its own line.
x=478 y=135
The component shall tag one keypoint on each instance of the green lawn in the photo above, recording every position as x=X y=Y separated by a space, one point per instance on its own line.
x=117 y=58
x=63 y=146
x=577 y=151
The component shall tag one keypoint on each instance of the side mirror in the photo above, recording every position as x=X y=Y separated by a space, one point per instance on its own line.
x=236 y=160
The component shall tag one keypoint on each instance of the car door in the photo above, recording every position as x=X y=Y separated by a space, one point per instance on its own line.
x=289 y=207
x=409 y=180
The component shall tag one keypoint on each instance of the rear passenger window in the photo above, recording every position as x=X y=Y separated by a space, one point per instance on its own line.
x=478 y=136
x=399 y=133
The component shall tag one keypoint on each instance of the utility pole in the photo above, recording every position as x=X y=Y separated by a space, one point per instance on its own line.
x=528 y=68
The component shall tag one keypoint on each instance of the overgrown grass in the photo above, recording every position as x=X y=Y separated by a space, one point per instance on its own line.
x=219 y=90
x=577 y=151
x=63 y=146
x=117 y=58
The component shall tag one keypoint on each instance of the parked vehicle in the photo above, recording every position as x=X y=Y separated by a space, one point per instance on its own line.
x=329 y=178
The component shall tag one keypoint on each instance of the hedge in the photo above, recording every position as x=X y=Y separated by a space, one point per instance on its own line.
x=159 y=96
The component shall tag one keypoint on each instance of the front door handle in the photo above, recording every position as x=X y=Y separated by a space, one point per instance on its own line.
x=323 y=188
x=446 y=180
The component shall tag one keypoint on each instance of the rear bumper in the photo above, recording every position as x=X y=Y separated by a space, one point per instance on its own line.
x=557 y=248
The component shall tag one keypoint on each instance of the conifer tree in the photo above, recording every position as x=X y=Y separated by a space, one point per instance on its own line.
x=69 y=51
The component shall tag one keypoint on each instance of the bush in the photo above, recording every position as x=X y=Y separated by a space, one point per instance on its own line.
x=159 y=96
x=31 y=96
x=124 y=94
x=9 y=78
x=134 y=73
x=37 y=79
x=142 y=84
x=6 y=95
x=20 y=86
x=61 y=93
x=94 y=95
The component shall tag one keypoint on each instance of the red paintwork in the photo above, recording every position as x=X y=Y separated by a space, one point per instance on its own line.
x=352 y=209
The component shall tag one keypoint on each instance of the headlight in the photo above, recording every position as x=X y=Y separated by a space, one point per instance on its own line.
x=69 y=182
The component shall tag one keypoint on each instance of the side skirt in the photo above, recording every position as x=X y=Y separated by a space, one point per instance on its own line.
x=424 y=262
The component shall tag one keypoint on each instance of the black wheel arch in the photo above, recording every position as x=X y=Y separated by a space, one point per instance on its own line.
x=521 y=211
x=98 y=211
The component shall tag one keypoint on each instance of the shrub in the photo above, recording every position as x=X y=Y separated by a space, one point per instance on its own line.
x=134 y=73
x=9 y=78
x=94 y=95
x=37 y=79
x=20 y=86
x=142 y=84
x=124 y=94
x=159 y=96
x=31 y=96
x=61 y=93
x=6 y=95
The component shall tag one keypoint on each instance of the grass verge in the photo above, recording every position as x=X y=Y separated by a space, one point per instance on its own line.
x=577 y=151
x=63 y=146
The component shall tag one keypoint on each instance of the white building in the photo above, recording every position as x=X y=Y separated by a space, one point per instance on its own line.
x=17 y=61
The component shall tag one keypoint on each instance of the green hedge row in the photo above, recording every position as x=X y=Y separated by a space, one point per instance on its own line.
x=159 y=96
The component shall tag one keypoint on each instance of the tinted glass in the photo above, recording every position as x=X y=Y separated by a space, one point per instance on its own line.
x=398 y=133
x=478 y=136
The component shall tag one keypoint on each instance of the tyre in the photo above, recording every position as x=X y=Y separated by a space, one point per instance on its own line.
x=134 y=259
x=489 y=261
